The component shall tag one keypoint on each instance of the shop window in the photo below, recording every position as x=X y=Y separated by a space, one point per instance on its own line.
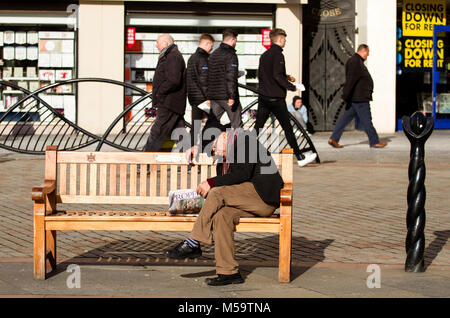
x=32 y=57
x=141 y=58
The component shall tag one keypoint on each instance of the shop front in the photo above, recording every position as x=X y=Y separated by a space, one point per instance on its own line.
x=37 y=48
x=415 y=45
x=186 y=22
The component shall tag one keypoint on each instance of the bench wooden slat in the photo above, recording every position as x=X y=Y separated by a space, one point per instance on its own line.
x=117 y=157
x=133 y=179
x=93 y=179
x=173 y=177
x=103 y=180
x=194 y=177
x=186 y=226
x=83 y=178
x=204 y=173
x=61 y=218
x=62 y=178
x=112 y=179
x=73 y=179
x=163 y=180
x=95 y=199
x=153 y=179
x=184 y=177
x=143 y=180
x=123 y=180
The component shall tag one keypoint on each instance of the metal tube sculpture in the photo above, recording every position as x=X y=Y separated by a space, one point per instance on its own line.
x=417 y=128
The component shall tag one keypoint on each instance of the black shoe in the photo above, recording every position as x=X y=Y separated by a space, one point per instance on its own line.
x=221 y=280
x=183 y=250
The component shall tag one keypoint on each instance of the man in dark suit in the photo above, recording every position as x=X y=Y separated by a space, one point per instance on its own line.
x=169 y=93
x=357 y=93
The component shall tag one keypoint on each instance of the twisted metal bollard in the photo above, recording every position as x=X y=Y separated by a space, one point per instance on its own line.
x=417 y=128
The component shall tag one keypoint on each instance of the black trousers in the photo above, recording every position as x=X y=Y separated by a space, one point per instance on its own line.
x=166 y=121
x=277 y=106
x=197 y=116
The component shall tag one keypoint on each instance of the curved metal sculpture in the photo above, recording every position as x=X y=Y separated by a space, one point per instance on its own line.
x=31 y=124
x=417 y=128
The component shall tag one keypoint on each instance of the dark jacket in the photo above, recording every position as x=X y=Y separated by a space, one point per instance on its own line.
x=197 y=77
x=272 y=74
x=169 y=84
x=358 y=85
x=261 y=171
x=223 y=74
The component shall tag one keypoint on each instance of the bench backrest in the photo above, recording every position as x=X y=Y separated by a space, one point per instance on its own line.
x=96 y=177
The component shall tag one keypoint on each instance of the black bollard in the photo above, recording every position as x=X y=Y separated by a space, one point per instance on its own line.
x=417 y=128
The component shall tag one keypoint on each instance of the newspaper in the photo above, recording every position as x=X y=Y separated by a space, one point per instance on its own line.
x=185 y=202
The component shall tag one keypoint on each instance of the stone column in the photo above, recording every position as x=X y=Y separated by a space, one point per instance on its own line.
x=100 y=54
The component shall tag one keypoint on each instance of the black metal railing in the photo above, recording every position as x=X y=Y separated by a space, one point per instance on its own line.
x=31 y=124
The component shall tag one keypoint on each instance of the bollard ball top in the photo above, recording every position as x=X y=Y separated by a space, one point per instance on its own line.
x=418 y=123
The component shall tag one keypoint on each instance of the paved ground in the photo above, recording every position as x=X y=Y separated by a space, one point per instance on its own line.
x=349 y=212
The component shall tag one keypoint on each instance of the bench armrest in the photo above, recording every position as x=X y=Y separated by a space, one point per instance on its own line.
x=39 y=193
x=286 y=199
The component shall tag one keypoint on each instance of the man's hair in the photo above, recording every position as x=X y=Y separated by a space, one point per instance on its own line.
x=362 y=47
x=229 y=33
x=296 y=98
x=275 y=33
x=165 y=37
x=206 y=37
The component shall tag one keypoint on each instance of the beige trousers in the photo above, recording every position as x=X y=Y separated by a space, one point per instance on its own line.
x=220 y=213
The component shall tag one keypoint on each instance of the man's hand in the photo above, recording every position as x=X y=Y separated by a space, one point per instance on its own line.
x=192 y=153
x=208 y=102
x=203 y=189
x=230 y=102
x=290 y=78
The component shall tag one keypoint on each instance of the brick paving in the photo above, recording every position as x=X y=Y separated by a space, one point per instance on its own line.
x=344 y=212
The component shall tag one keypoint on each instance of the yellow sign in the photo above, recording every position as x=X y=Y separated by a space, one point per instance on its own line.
x=419 y=16
x=418 y=53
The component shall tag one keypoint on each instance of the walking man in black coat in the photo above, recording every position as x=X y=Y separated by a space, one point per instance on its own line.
x=197 y=82
x=223 y=80
x=273 y=85
x=357 y=93
x=169 y=93
x=246 y=185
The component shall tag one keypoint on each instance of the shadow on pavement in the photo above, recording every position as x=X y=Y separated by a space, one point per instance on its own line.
x=252 y=252
x=436 y=246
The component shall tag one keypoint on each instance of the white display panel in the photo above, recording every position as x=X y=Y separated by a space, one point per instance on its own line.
x=33 y=59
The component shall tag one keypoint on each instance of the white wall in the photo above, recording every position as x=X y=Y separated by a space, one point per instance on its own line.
x=101 y=54
x=376 y=21
x=289 y=18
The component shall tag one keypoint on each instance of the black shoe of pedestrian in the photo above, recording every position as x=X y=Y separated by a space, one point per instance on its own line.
x=183 y=250
x=221 y=280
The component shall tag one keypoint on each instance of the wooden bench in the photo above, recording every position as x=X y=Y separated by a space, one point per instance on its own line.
x=112 y=178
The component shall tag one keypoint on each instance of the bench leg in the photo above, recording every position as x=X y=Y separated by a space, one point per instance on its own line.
x=50 y=250
x=284 y=267
x=39 y=247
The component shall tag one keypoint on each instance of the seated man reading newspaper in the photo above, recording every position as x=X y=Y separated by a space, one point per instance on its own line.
x=247 y=185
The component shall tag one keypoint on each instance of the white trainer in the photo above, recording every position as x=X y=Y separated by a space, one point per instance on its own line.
x=309 y=157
